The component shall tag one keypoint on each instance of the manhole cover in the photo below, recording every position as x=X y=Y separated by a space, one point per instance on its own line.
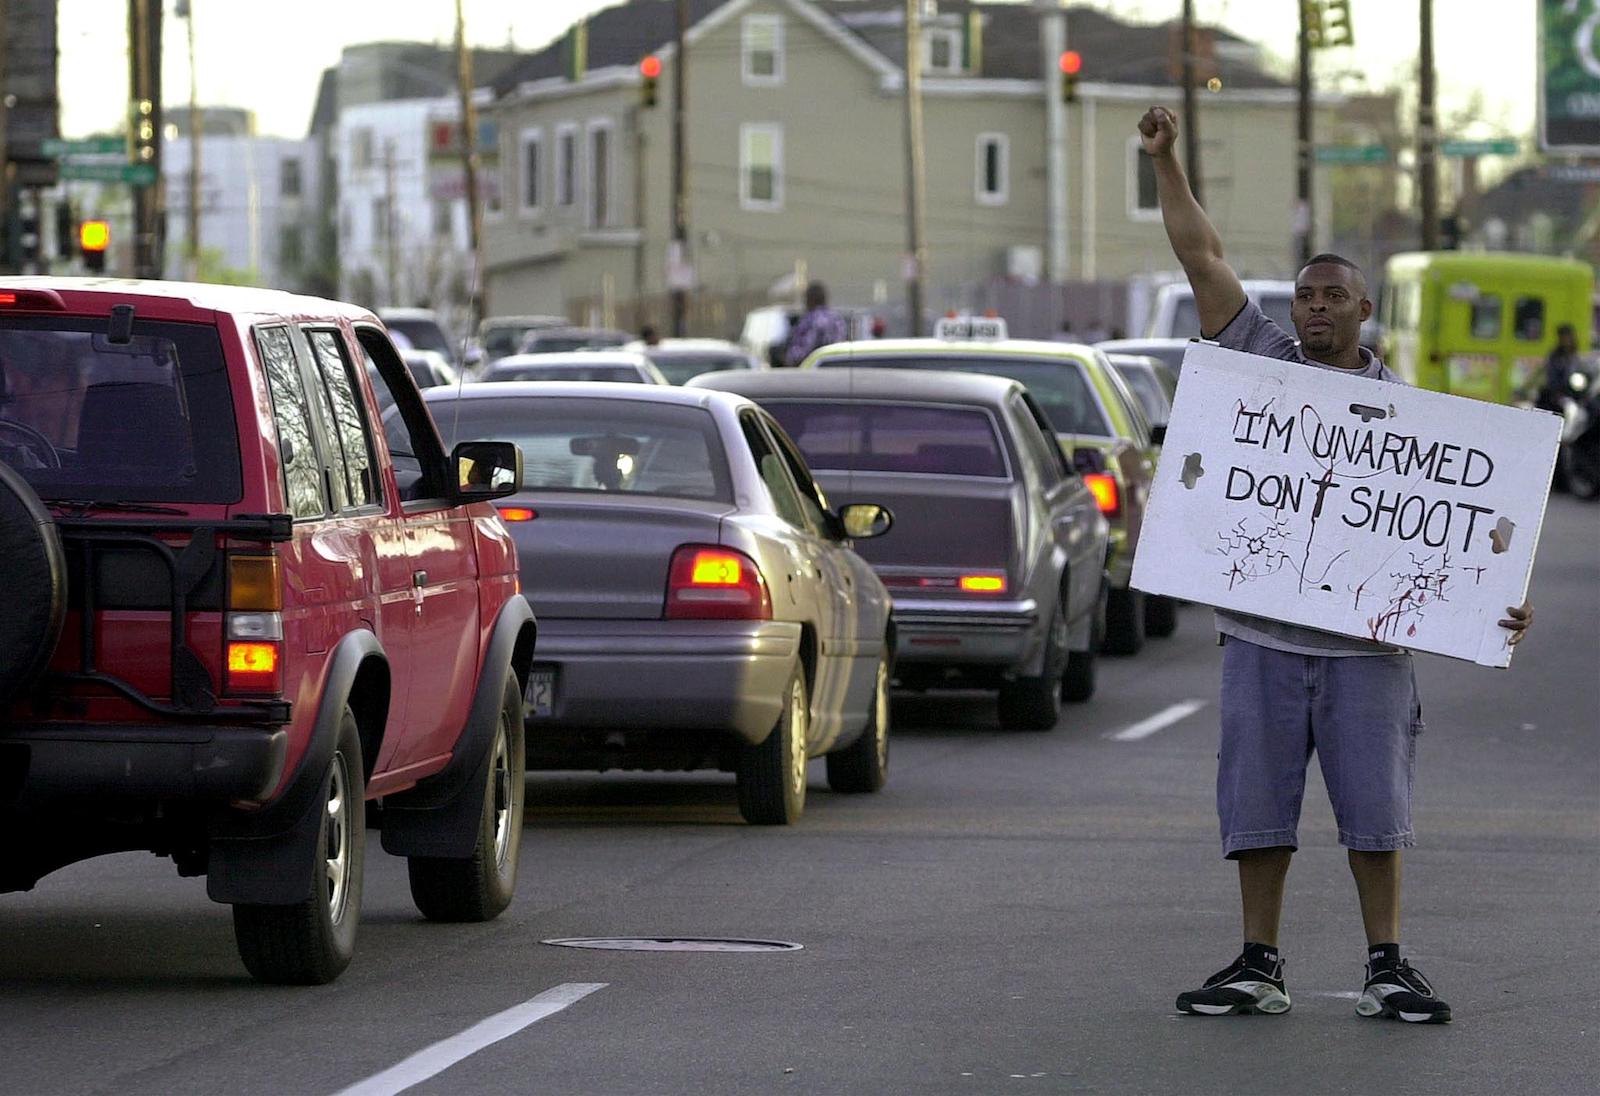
x=671 y=943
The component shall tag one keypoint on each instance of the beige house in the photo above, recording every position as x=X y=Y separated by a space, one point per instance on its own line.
x=796 y=164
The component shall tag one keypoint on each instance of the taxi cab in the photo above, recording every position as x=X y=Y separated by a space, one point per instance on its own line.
x=1096 y=417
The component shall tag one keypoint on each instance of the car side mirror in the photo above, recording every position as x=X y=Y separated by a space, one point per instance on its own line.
x=1158 y=434
x=865 y=520
x=486 y=470
x=1088 y=461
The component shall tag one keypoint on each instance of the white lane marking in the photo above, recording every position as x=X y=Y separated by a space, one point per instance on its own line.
x=433 y=1060
x=1166 y=717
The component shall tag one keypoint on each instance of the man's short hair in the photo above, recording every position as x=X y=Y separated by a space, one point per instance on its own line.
x=1328 y=258
x=816 y=295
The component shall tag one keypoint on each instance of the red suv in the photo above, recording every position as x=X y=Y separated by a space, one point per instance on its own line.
x=243 y=620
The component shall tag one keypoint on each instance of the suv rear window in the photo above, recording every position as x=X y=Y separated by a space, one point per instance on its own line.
x=150 y=420
x=862 y=436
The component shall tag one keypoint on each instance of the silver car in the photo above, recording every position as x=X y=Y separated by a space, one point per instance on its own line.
x=699 y=604
x=997 y=560
x=616 y=366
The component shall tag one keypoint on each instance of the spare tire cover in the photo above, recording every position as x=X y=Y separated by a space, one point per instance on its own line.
x=35 y=597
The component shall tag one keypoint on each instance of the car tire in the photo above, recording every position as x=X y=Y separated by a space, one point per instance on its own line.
x=1579 y=474
x=863 y=766
x=1160 y=616
x=1034 y=703
x=310 y=942
x=36 y=585
x=771 y=775
x=480 y=886
x=1124 y=622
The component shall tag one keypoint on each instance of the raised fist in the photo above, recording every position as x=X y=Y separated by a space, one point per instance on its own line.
x=1158 y=130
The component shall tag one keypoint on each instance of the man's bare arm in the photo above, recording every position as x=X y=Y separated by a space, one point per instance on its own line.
x=1217 y=293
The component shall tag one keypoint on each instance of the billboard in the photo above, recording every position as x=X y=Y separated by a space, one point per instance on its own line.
x=1569 y=76
x=1362 y=507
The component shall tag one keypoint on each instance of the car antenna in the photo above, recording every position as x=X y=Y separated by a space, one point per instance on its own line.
x=120 y=331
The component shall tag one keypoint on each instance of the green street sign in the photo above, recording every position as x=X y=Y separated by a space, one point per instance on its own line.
x=1352 y=154
x=1506 y=146
x=133 y=174
x=59 y=147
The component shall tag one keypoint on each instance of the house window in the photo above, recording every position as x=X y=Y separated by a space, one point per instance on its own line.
x=941 y=51
x=600 y=175
x=994 y=168
x=361 y=148
x=443 y=218
x=532 y=166
x=762 y=50
x=380 y=220
x=761 y=166
x=290 y=252
x=289 y=178
x=1143 y=202
x=566 y=166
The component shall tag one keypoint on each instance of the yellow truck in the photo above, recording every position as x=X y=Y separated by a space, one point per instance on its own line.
x=1480 y=324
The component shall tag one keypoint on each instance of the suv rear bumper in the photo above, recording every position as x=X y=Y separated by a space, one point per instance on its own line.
x=53 y=762
x=952 y=633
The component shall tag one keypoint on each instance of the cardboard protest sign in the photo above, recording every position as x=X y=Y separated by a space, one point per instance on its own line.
x=1356 y=506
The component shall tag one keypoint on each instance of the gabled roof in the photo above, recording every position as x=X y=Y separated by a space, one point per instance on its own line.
x=1114 y=52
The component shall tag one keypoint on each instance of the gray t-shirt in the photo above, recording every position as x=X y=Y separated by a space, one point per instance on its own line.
x=1252 y=332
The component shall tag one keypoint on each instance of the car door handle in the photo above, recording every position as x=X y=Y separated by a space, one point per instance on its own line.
x=419 y=579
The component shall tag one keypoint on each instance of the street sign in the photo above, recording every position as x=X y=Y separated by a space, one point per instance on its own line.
x=60 y=147
x=1569 y=77
x=1506 y=146
x=1352 y=154
x=133 y=174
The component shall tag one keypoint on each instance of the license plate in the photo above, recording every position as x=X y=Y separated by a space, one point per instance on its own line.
x=541 y=692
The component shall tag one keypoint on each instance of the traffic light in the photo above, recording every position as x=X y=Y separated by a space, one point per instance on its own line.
x=64 y=224
x=1311 y=21
x=1071 y=64
x=93 y=239
x=29 y=238
x=649 y=71
x=1337 y=29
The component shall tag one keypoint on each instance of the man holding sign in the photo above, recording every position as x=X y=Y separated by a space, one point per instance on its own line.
x=1289 y=689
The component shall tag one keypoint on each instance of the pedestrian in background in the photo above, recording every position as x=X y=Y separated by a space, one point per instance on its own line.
x=649 y=336
x=1559 y=367
x=1288 y=690
x=819 y=326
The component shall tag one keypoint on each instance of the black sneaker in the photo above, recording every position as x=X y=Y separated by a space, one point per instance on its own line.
x=1243 y=988
x=1398 y=991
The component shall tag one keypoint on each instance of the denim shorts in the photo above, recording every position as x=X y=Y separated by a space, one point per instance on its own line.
x=1359 y=713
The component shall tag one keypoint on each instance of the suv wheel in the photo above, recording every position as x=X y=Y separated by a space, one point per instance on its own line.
x=479 y=887
x=863 y=766
x=1160 y=616
x=772 y=775
x=311 y=942
x=1034 y=703
x=36 y=585
x=1124 y=622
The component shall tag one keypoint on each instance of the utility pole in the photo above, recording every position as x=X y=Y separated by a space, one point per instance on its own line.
x=680 y=170
x=5 y=116
x=1427 y=135
x=1191 y=115
x=185 y=11
x=391 y=246
x=916 y=175
x=1304 y=217
x=1053 y=37
x=144 y=68
x=476 y=297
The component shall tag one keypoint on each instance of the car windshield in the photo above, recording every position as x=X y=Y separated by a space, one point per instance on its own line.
x=598 y=445
x=1059 y=386
x=501 y=341
x=151 y=419
x=423 y=334
x=1152 y=397
x=560 y=344
x=864 y=436
x=625 y=373
x=678 y=367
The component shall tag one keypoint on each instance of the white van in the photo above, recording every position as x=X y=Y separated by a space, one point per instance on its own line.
x=1174 y=315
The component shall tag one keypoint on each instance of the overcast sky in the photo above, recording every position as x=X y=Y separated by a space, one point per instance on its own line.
x=268 y=57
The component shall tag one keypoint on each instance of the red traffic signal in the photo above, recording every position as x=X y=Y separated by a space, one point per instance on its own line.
x=1071 y=62
x=650 y=67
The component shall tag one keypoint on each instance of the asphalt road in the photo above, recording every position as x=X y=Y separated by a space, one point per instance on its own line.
x=1014 y=913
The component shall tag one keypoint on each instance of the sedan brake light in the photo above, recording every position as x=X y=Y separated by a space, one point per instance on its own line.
x=517 y=513
x=983 y=584
x=1104 y=487
x=705 y=582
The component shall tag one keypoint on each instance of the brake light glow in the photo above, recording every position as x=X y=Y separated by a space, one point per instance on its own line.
x=253 y=667
x=517 y=513
x=8 y=298
x=254 y=584
x=1104 y=487
x=705 y=582
x=983 y=584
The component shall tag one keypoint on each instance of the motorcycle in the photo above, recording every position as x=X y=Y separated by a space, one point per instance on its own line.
x=1578 y=462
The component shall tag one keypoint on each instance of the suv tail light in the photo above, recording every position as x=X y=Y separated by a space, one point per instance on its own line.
x=1104 y=487
x=254 y=635
x=705 y=582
